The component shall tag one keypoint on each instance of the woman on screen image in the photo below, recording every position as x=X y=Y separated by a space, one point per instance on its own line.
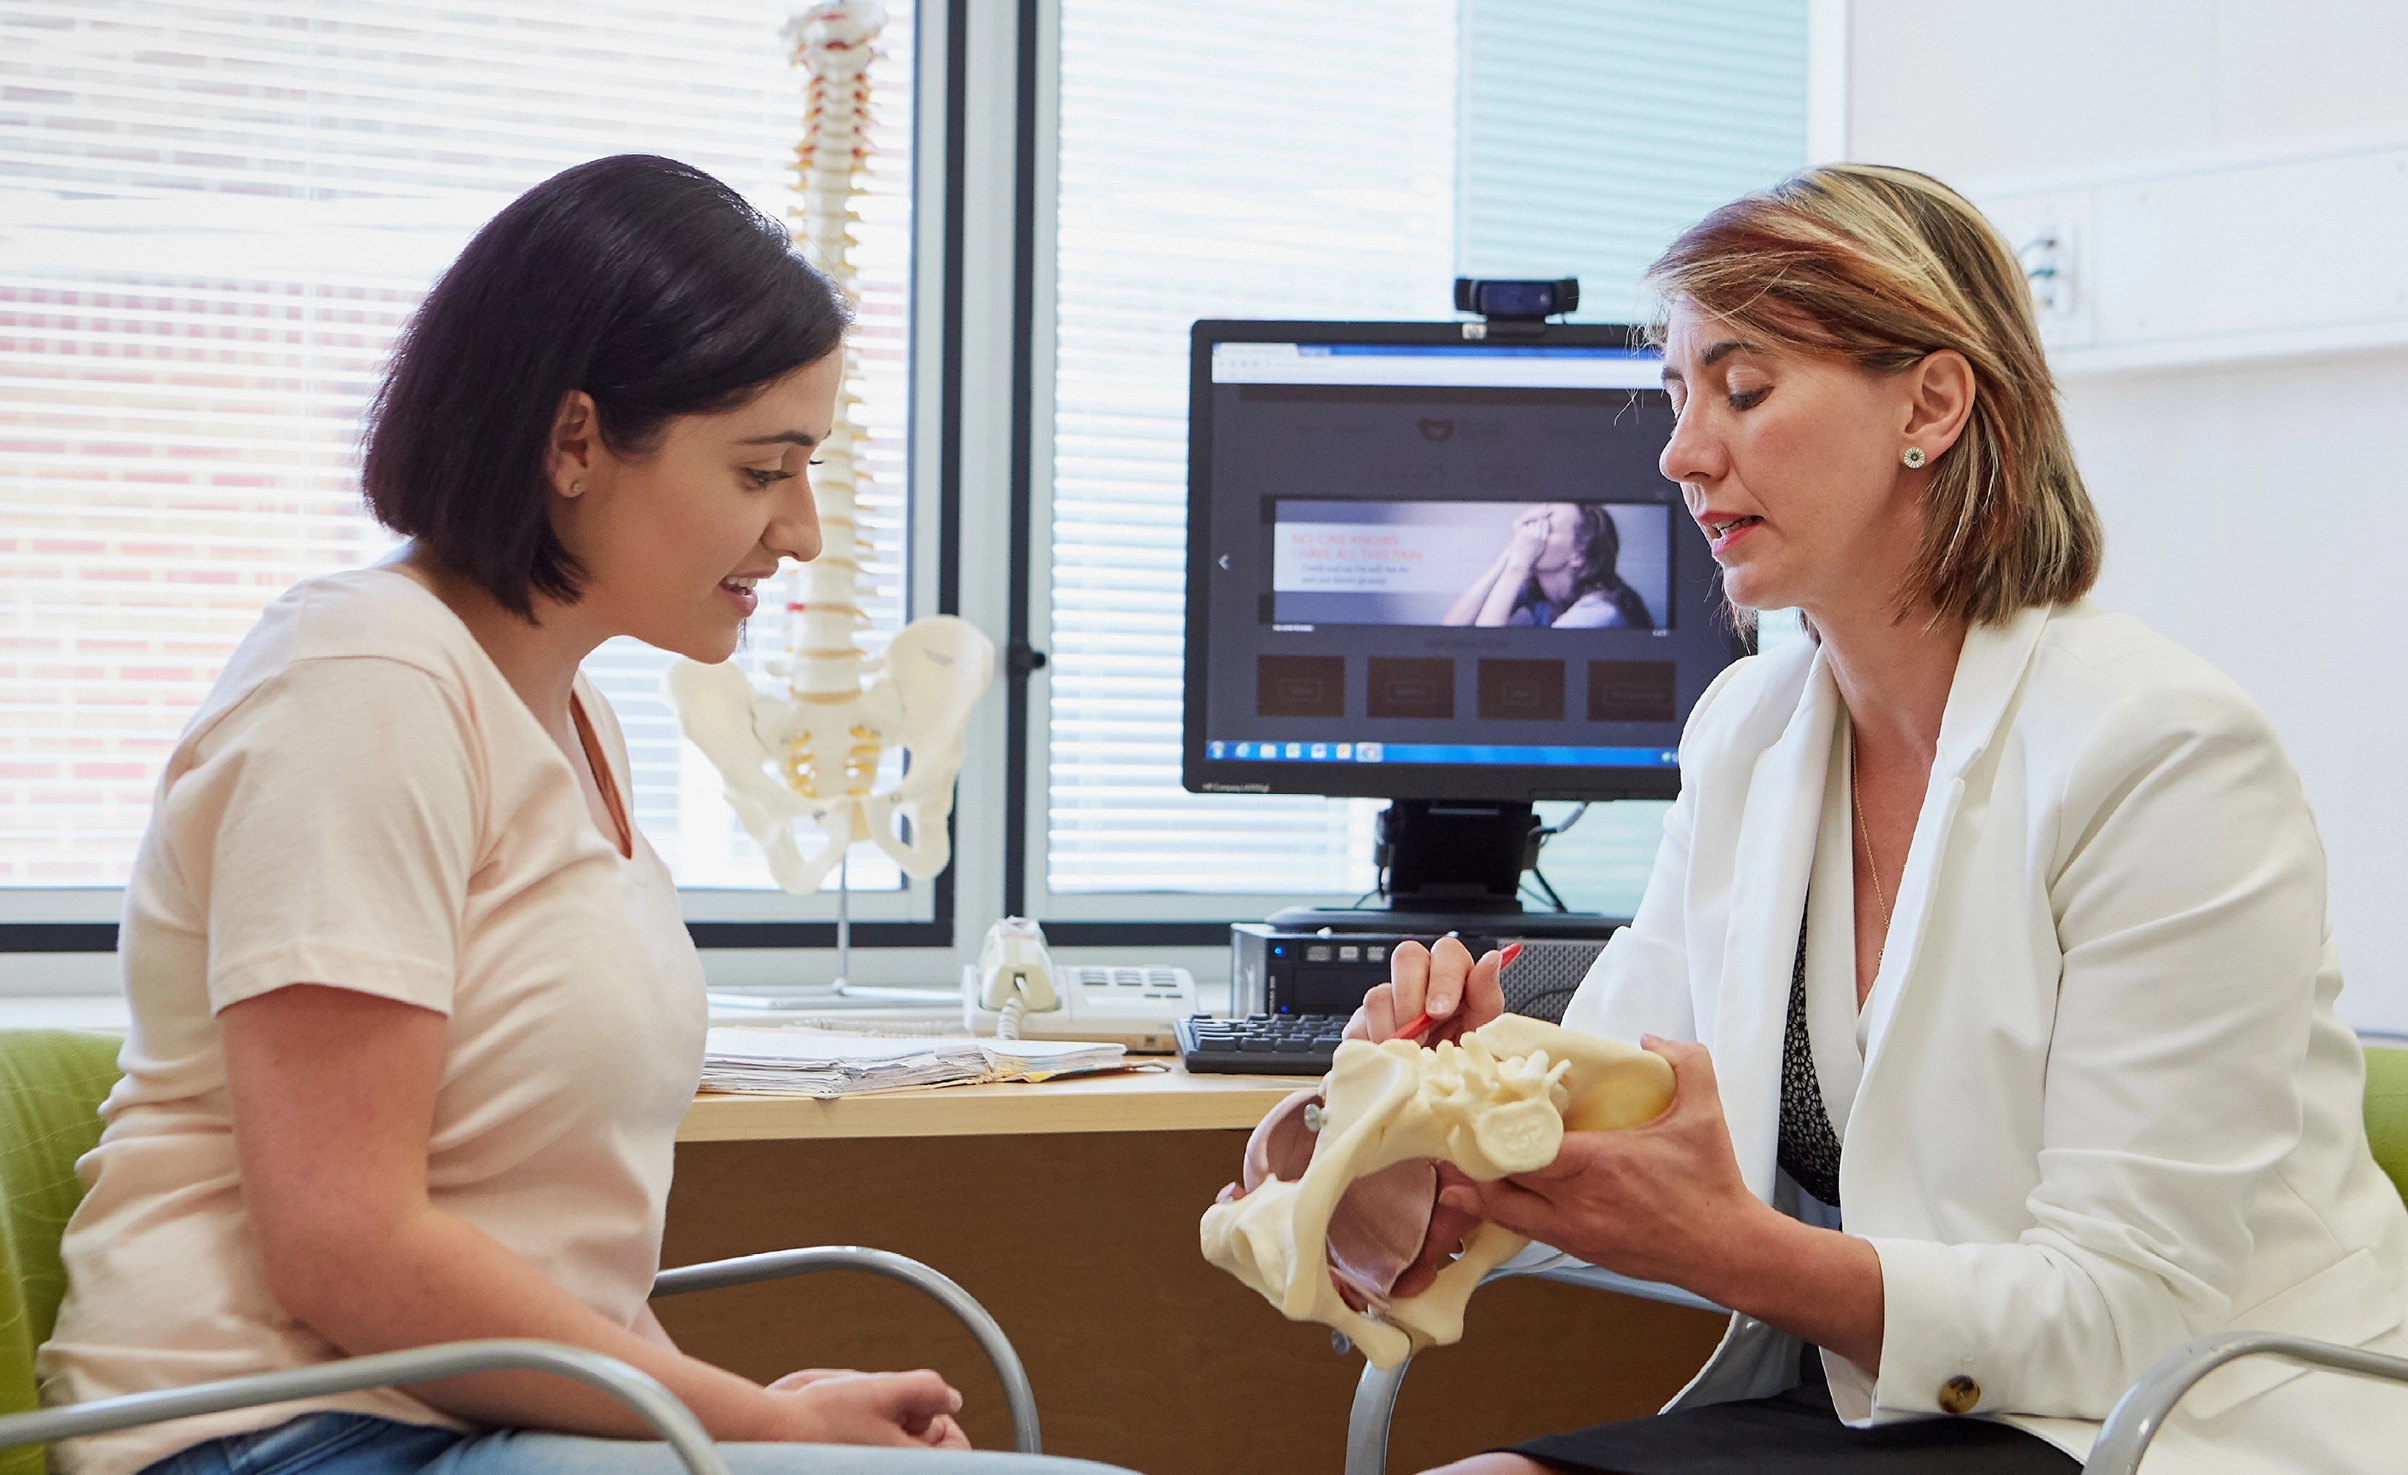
x=1559 y=569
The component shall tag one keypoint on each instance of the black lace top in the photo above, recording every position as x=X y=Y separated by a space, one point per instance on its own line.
x=1809 y=1149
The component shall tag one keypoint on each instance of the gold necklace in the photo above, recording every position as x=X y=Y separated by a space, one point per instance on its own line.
x=1856 y=795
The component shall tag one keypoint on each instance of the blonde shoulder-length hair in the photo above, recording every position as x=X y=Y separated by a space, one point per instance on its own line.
x=1881 y=266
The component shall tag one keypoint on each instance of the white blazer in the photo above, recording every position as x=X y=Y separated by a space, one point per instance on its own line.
x=2106 y=1105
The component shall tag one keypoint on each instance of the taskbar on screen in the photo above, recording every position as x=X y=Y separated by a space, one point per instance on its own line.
x=1503 y=754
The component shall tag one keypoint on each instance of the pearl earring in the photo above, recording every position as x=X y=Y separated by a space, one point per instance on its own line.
x=577 y=488
x=1913 y=458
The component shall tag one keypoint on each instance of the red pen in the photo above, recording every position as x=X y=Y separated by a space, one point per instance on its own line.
x=1419 y=1024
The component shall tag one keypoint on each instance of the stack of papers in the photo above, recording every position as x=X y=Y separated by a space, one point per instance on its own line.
x=805 y=1062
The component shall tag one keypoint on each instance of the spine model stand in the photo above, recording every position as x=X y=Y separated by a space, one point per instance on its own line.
x=813 y=752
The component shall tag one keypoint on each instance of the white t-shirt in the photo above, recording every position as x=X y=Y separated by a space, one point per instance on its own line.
x=364 y=802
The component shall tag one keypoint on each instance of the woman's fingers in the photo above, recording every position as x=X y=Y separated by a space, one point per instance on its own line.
x=843 y=1407
x=1449 y=965
x=910 y=1401
x=1449 y=1223
x=1444 y=982
x=1441 y=981
x=1408 y=982
x=1693 y=1083
x=1506 y=1204
x=1484 y=990
x=1376 y=1019
x=943 y=1433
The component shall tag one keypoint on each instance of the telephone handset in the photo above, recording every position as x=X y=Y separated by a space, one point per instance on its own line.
x=1016 y=989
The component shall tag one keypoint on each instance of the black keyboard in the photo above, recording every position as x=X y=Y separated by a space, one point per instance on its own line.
x=1262 y=1044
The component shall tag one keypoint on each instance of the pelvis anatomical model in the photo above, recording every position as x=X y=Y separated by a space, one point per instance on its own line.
x=1340 y=1183
x=824 y=748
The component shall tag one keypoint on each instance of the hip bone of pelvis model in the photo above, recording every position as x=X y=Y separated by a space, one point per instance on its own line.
x=812 y=753
x=1340 y=1183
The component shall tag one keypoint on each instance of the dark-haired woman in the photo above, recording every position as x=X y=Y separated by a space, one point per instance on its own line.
x=1560 y=568
x=414 y=1015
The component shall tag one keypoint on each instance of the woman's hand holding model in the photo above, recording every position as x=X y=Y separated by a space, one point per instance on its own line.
x=1663 y=1202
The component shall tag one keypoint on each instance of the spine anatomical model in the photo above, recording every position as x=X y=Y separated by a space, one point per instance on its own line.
x=813 y=751
x=832 y=41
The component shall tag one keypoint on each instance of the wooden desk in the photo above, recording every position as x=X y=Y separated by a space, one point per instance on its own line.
x=1070 y=1210
x=1164 y=1099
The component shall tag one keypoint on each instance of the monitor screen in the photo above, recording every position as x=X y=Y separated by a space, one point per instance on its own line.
x=1422 y=566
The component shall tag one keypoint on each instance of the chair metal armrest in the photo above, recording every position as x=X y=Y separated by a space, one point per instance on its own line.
x=654 y=1404
x=2142 y=1411
x=1368 y=1422
x=778 y=1264
x=1374 y=1410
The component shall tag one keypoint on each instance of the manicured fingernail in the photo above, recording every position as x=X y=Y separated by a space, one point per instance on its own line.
x=1505 y=959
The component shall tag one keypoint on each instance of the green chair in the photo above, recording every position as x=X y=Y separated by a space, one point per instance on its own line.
x=2387 y=1112
x=52 y=1083
x=2136 y=1417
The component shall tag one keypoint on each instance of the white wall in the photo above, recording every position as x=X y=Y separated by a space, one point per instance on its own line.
x=2255 y=512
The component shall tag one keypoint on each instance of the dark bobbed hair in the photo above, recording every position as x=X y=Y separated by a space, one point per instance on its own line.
x=646 y=283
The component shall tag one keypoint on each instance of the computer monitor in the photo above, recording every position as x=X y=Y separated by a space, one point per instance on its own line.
x=1427 y=565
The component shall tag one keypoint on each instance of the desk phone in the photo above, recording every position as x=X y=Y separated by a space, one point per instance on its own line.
x=1016 y=988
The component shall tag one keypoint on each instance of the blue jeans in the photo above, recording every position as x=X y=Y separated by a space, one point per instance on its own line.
x=362 y=1444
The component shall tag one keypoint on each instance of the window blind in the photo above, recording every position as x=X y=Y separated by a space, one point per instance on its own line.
x=1595 y=133
x=213 y=219
x=1241 y=160
x=1339 y=160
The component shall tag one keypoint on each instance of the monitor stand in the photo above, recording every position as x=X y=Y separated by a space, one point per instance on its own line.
x=1454 y=865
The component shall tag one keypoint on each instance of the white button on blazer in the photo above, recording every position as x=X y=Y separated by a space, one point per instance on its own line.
x=2106 y=1105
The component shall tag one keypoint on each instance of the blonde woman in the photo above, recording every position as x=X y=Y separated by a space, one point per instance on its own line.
x=1987 y=938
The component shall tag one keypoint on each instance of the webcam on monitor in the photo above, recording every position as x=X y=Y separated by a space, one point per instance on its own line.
x=1516 y=301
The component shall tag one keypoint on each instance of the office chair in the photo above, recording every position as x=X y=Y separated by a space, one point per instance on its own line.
x=2130 y=1425
x=52 y=1083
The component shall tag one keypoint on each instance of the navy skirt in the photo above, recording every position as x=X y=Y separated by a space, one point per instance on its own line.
x=1797 y=1433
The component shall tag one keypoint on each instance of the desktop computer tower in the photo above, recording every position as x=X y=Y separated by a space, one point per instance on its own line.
x=1277 y=969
